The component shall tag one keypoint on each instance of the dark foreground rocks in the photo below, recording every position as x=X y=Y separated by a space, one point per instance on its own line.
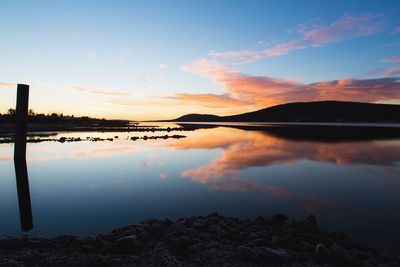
x=213 y=240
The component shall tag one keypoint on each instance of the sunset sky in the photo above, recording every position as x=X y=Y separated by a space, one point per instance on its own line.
x=144 y=60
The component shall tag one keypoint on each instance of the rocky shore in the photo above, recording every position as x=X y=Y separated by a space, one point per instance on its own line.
x=212 y=240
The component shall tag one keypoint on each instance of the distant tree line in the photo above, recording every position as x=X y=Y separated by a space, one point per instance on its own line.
x=33 y=117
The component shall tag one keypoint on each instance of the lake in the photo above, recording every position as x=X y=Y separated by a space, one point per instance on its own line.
x=349 y=177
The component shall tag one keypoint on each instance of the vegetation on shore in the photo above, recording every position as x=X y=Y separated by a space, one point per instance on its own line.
x=33 y=117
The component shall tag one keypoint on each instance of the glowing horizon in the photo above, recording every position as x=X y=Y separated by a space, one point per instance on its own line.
x=157 y=60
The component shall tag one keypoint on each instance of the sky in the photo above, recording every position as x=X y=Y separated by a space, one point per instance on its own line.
x=144 y=60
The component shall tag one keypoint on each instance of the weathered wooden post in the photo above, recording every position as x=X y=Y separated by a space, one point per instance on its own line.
x=21 y=171
x=21 y=121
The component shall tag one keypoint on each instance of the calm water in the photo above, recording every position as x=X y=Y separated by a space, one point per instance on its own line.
x=349 y=179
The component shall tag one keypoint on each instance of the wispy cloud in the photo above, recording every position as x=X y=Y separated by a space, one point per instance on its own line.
x=5 y=158
x=209 y=100
x=162 y=66
x=261 y=91
x=101 y=91
x=314 y=35
x=92 y=56
x=104 y=152
x=6 y=84
x=392 y=59
x=163 y=176
x=395 y=70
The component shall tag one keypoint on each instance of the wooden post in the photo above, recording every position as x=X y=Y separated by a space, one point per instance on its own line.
x=21 y=171
x=21 y=121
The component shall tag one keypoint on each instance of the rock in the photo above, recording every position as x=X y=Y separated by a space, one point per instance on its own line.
x=310 y=224
x=322 y=253
x=340 y=255
x=215 y=230
x=388 y=264
x=360 y=255
x=307 y=246
x=10 y=263
x=247 y=253
x=278 y=218
x=127 y=243
x=179 y=243
x=384 y=257
x=200 y=223
x=276 y=239
x=366 y=264
x=273 y=255
x=213 y=240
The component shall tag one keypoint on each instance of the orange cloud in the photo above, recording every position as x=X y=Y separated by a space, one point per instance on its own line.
x=260 y=91
x=5 y=84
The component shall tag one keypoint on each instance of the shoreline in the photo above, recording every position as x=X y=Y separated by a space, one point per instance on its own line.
x=212 y=240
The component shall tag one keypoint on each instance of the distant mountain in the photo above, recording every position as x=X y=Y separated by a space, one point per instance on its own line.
x=199 y=117
x=322 y=111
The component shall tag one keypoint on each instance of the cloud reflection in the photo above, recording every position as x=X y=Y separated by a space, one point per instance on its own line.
x=253 y=149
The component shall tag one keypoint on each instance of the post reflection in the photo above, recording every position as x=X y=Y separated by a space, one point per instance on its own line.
x=24 y=198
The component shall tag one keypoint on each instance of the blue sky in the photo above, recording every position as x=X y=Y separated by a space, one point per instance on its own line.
x=140 y=59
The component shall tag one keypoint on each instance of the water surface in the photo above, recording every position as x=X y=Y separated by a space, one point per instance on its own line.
x=348 y=178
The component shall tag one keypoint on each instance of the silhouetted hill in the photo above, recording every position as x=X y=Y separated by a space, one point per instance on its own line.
x=199 y=117
x=323 y=111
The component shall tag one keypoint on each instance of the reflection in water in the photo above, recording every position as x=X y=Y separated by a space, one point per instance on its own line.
x=350 y=185
x=24 y=199
x=21 y=174
x=255 y=148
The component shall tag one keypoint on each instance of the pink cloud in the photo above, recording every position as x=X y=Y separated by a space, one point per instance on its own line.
x=344 y=28
x=393 y=71
x=392 y=59
x=163 y=176
x=397 y=29
x=262 y=91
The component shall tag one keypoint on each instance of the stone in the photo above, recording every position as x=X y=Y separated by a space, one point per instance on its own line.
x=127 y=243
x=366 y=264
x=310 y=224
x=322 y=253
x=200 y=223
x=273 y=255
x=307 y=246
x=247 y=253
x=340 y=255
x=278 y=218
